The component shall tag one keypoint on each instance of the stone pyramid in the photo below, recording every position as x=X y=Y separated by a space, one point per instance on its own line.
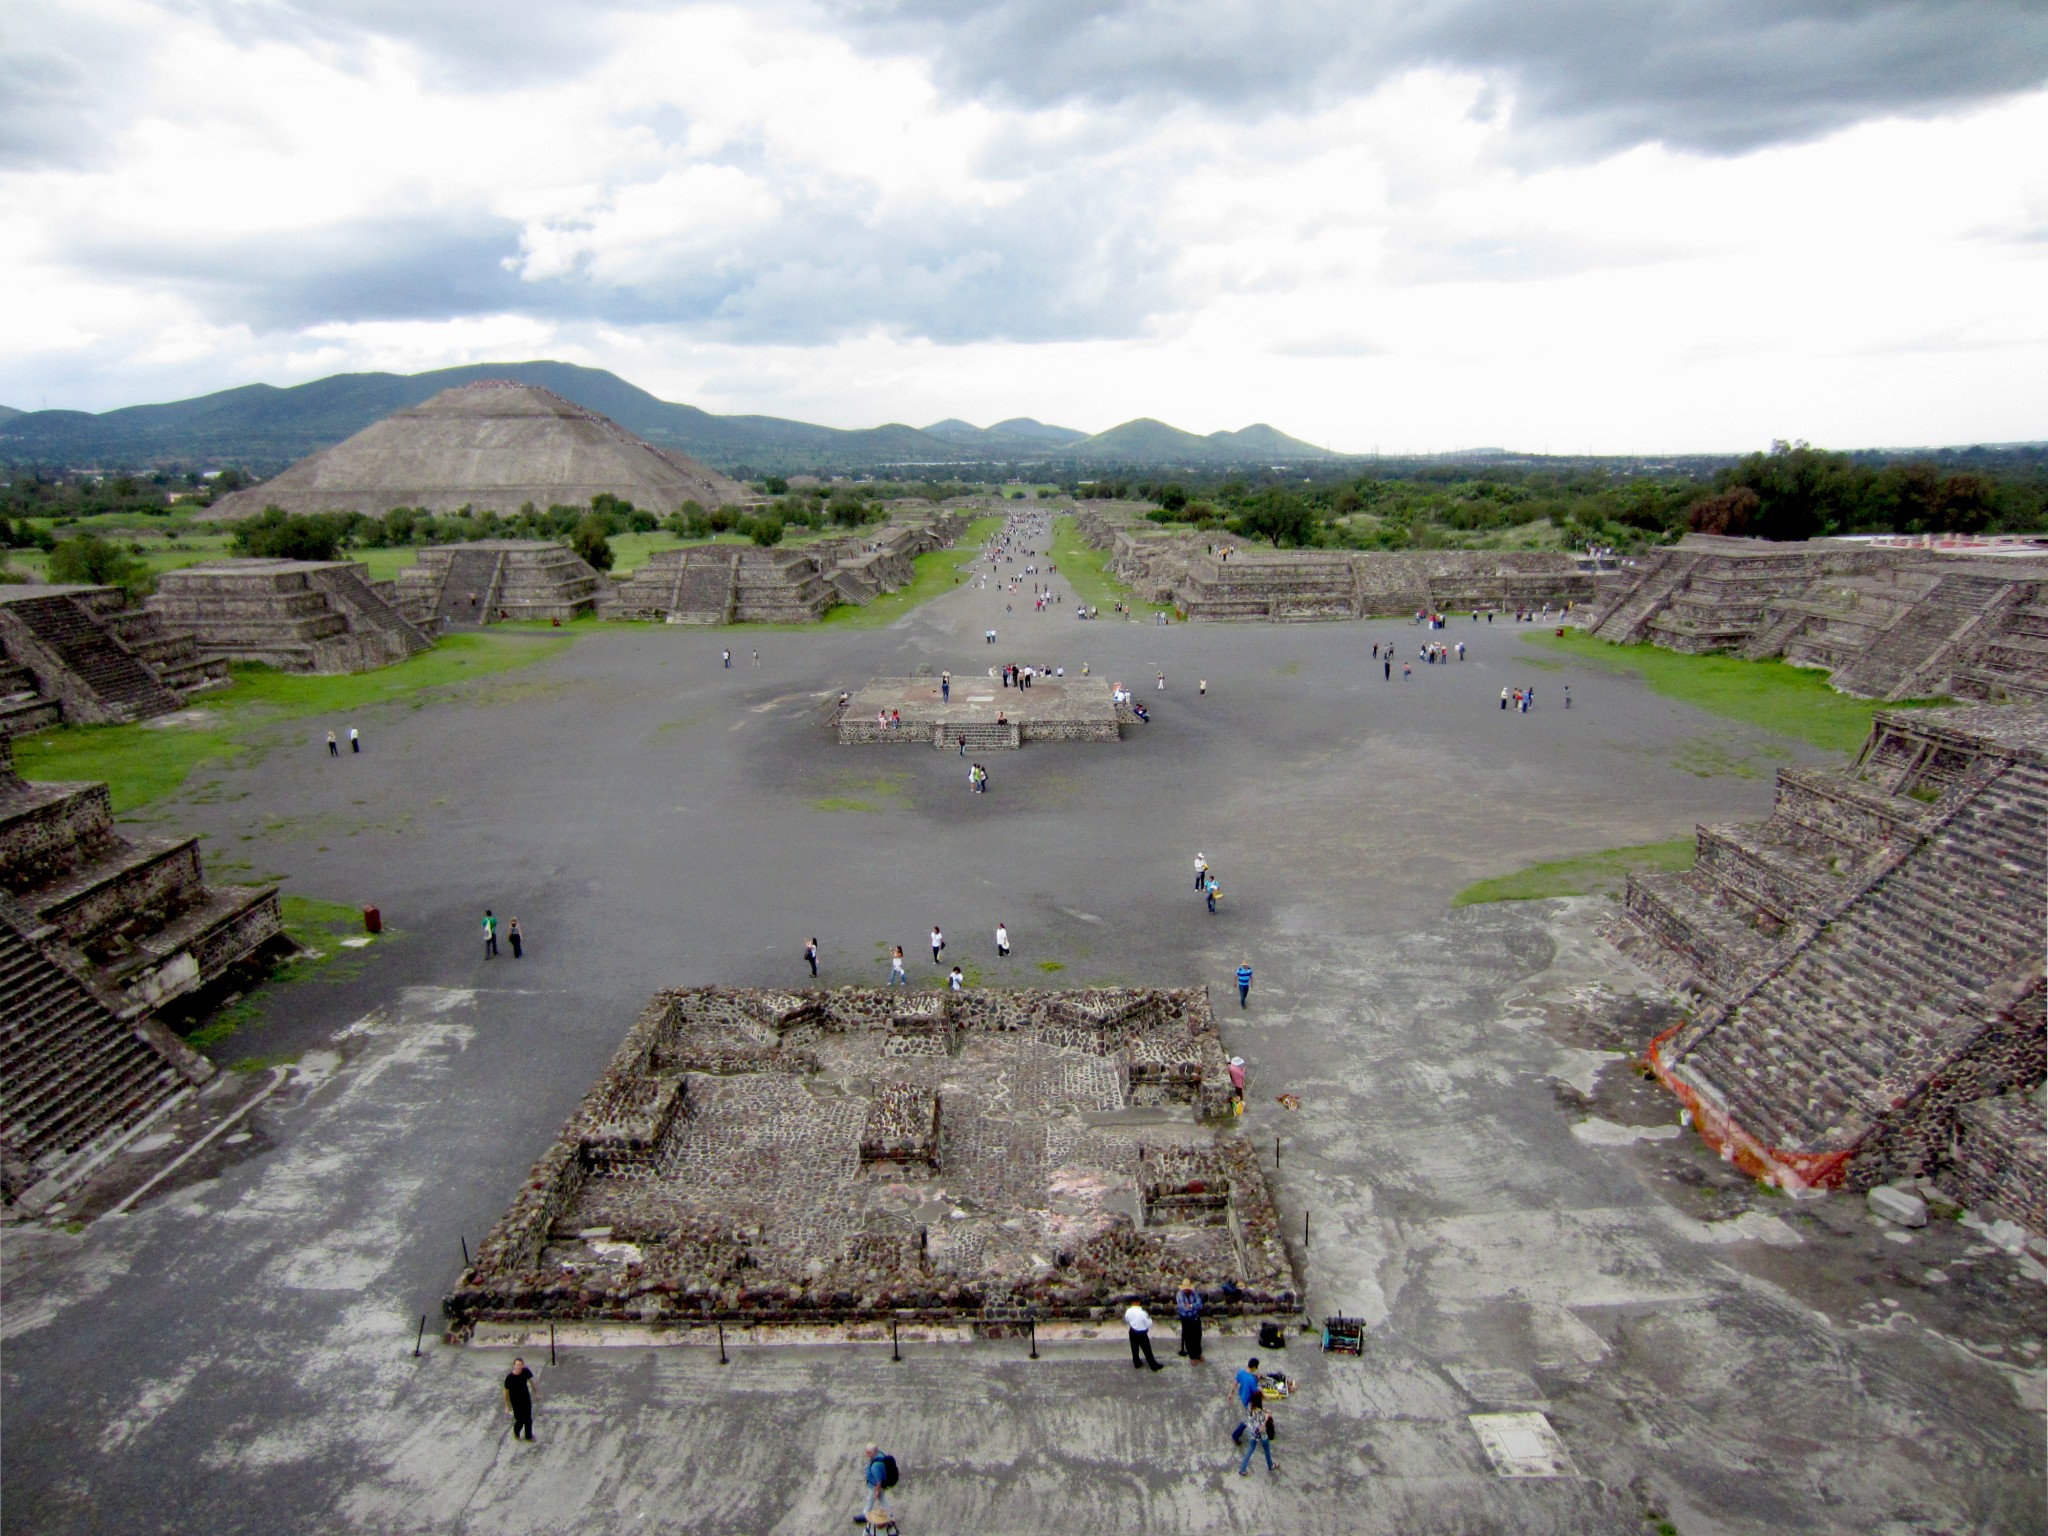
x=493 y=446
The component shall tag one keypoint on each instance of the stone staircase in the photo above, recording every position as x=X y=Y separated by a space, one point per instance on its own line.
x=76 y=659
x=988 y=737
x=1628 y=621
x=1277 y=586
x=22 y=705
x=174 y=657
x=468 y=589
x=294 y=615
x=1917 y=649
x=134 y=914
x=76 y=1077
x=2012 y=663
x=1864 y=957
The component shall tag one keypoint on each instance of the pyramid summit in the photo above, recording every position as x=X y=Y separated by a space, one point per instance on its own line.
x=493 y=445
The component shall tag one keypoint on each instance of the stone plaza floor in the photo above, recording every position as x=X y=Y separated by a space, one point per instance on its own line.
x=1469 y=1162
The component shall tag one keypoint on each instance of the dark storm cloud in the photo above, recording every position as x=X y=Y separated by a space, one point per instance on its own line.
x=1719 y=76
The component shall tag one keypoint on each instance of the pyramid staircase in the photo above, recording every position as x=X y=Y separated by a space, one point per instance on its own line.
x=96 y=663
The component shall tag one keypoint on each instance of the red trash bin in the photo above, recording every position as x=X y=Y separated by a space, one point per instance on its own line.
x=373 y=920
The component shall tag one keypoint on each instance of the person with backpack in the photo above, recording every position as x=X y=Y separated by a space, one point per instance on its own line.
x=1256 y=1434
x=880 y=1476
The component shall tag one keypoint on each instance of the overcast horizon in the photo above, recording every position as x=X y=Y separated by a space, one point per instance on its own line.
x=1604 y=226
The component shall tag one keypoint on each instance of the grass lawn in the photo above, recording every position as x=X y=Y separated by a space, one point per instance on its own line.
x=145 y=762
x=1582 y=876
x=1793 y=701
x=937 y=572
x=317 y=928
x=1088 y=570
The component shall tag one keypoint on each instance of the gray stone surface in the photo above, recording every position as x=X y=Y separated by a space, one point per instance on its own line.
x=236 y=1354
x=1901 y=1207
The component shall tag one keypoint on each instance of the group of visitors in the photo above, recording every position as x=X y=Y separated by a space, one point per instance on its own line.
x=512 y=936
x=355 y=742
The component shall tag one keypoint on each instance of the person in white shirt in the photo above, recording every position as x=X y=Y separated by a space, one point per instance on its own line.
x=1002 y=942
x=938 y=943
x=956 y=981
x=1139 y=1321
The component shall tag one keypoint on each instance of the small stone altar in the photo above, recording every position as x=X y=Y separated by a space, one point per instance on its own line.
x=895 y=711
x=857 y=1154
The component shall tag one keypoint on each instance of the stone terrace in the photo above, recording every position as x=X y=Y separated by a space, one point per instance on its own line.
x=458 y=585
x=859 y=1154
x=1051 y=709
x=1869 y=960
x=295 y=615
x=81 y=653
x=1888 y=623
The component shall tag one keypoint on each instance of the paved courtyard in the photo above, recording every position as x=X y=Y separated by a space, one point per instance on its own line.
x=1473 y=1165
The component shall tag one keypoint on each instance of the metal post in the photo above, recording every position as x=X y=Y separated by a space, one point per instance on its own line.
x=551 y=1343
x=465 y=1253
x=721 y=1344
x=421 y=1337
x=895 y=1352
x=1304 y=1231
x=1034 y=1338
x=1276 y=1149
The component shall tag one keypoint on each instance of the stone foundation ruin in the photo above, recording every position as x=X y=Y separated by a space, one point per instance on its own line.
x=83 y=656
x=1190 y=571
x=1886 y=622
x=296 y=615
x=97 y=934
x=460 y=586
x=859 y=1154
x=1051 y=709
x=1868 y=965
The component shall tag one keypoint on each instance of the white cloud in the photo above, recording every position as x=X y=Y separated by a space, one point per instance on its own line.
x=744 y=209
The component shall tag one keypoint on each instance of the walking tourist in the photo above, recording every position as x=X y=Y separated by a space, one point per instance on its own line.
x=490 y=934
x=879 y=1476
x=1139 y=1321
x=896 y=967
x=938 y=943
x=1567 y=695
x=1162 y=682
x=955 y=981
x=333 y=746
x=516 y=938
x=945 y=687
x=1503 y=698
x=519 y=1400
x=811 y=956
x=1247 y=1384
x=1244 y=983
x=1002 y=942
x=1201 y=871
x=757 y=658
x=355 y=739
x=1187 y=1306
x=1258 y=1436
x=725 y=657
x=1237 y=1075
x=1210 y=891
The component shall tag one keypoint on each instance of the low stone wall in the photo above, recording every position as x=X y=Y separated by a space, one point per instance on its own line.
x=1995 y=1163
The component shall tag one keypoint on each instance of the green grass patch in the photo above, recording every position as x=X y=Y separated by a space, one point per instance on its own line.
x=842 y=803
x=1052 y=965
x=1792 y=701
x=1087 y=571
x=316 y=928
x=1586 y=875
x=142 y=763
x=937 y=573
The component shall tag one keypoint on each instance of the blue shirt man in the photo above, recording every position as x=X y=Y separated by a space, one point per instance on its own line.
x=1248 y=1381
x=1244 y=982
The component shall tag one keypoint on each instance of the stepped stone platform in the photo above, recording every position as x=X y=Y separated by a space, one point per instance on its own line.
x=857 y=1154
x=97 y=934
x=295 y=615
x=742 y=584
x=982 y=710
x=1886 y=622
x=1192 y=572
x=462 y=586
x=1869 y=964
x=79 y=654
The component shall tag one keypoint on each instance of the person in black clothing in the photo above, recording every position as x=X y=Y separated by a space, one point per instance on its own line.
x=512 y=933
x=519 y=1398
x=811 y=954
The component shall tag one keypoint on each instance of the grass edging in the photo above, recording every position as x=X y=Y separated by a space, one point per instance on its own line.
x=1771 y=695
x=1585 y=874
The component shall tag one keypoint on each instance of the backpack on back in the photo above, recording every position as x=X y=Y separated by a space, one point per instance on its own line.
x=889 y=1472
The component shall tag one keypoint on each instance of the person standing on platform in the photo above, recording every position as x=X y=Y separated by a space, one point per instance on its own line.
x=1187 y=1306
x=519 y=1400
x=1139 y=1321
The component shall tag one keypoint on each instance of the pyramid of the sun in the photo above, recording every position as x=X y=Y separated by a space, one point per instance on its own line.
x=492 y=446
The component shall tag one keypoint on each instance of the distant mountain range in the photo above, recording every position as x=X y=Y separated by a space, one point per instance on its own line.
x=264 y=428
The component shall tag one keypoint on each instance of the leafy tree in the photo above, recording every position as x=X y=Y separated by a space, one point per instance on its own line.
x=275 y=534
x=590 y=542
x=89 y=560
x=765 y=530
x=1172 y=497
x=1282 y=516
x=1730 y=511
x=775 y=485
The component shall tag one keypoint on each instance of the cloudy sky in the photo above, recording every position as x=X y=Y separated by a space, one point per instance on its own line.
x=1618 y=225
